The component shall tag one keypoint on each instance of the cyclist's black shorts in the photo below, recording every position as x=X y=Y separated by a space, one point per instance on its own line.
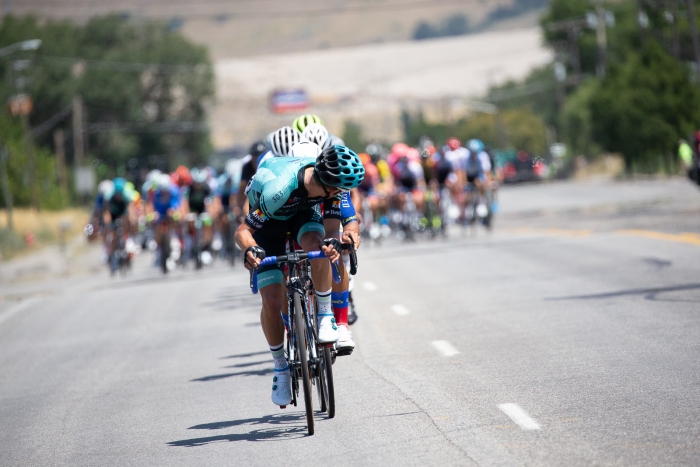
x=115 y=216
x=272 y=237
x=198 y=208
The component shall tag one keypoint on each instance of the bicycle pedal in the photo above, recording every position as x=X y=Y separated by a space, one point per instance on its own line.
x=344 y=352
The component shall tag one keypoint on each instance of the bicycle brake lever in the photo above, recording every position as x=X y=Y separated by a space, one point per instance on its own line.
x=336 y=272
x=254 y=280
x=353 y=261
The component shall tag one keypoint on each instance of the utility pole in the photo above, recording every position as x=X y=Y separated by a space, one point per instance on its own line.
x=642 y=21
x=78 y=144
x=58 y=141
x=694 y=35
x=7 y=194
x=601 y=38
x=31 y=162
x=574 y=55
x=573 y=31
x=671 y=15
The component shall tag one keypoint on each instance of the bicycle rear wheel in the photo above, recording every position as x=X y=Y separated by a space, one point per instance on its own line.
x=300 y=322
x=164 y=252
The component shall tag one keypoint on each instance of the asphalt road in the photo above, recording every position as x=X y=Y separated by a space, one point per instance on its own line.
x=569 y=336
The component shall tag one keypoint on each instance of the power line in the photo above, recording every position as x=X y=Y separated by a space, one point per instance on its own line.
x=159 y=68
x=156 y=127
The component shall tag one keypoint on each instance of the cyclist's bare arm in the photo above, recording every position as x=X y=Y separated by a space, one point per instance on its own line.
x=244 y=239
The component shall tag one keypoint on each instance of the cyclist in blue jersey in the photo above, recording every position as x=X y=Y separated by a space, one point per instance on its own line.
x=166 y=201
x=313 y=131
x=336 y=212
x=285 y=196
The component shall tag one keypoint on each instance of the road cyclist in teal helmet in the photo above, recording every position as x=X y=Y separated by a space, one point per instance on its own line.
x=285 y=196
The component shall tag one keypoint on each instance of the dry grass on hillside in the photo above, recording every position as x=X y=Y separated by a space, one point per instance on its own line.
x=45 y=223
x=249 y=28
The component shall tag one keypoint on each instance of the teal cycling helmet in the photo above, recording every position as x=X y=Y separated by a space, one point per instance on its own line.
x=119 y=185
x=339 y=167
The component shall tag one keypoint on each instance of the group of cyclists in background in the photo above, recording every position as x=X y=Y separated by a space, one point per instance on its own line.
x=189 y=216
x=300 y=188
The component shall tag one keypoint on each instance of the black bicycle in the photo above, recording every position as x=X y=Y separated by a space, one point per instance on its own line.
x=119 y=260
x=229 y=227
x=309 y=360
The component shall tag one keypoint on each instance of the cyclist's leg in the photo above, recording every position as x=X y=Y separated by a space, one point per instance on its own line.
x=340 y=291
x=271 y=285
x=207 y=229
x=307 y=228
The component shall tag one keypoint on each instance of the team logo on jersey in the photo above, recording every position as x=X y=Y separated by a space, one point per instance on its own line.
x=259 y=214
x=336 y=204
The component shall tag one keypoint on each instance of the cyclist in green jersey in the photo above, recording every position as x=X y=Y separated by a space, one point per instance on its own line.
x=285 y=196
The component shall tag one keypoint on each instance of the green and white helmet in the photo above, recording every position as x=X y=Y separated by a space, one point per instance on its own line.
x=302 y=122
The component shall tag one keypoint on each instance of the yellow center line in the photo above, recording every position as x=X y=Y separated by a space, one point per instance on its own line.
x=685 y=237
x=689 y=238
x=552 y=232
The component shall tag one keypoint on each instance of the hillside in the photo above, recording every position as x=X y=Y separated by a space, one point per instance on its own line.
x=236 y=28
x=371 y=84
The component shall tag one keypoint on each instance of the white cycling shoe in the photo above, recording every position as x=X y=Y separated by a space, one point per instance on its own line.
x=327 y=330
x=345 y=344
x=282 y=389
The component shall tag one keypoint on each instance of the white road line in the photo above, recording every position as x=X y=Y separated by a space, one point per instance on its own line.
x=17 y=308
x=445 y=348
x=400 y=310
x=519 y=416
x=369 y=286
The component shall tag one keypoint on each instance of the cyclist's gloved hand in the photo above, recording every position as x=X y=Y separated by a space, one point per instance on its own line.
x=331 y=248
x=253 y=256
x=351 y=238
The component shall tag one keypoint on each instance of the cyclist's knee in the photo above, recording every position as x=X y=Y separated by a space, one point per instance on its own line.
x=272 y=298
x=311 y=240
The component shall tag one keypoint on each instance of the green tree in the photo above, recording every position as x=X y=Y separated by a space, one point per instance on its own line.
x=643 y=107
x=536 y=94
x=352 y=136
x=577 y=121
x=138 y=80
x=524 y=130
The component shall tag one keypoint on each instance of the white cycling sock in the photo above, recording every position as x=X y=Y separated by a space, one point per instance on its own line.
x=278 y=356
x=325 y=307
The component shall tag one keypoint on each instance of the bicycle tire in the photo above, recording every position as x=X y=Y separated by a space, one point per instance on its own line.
x=300 y=331
x=319 y=374
x=164 y=253
x=322 y=388
x=327 y=364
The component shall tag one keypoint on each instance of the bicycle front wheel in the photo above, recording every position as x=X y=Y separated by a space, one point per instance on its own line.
x=327 y=365
x=300 y=324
